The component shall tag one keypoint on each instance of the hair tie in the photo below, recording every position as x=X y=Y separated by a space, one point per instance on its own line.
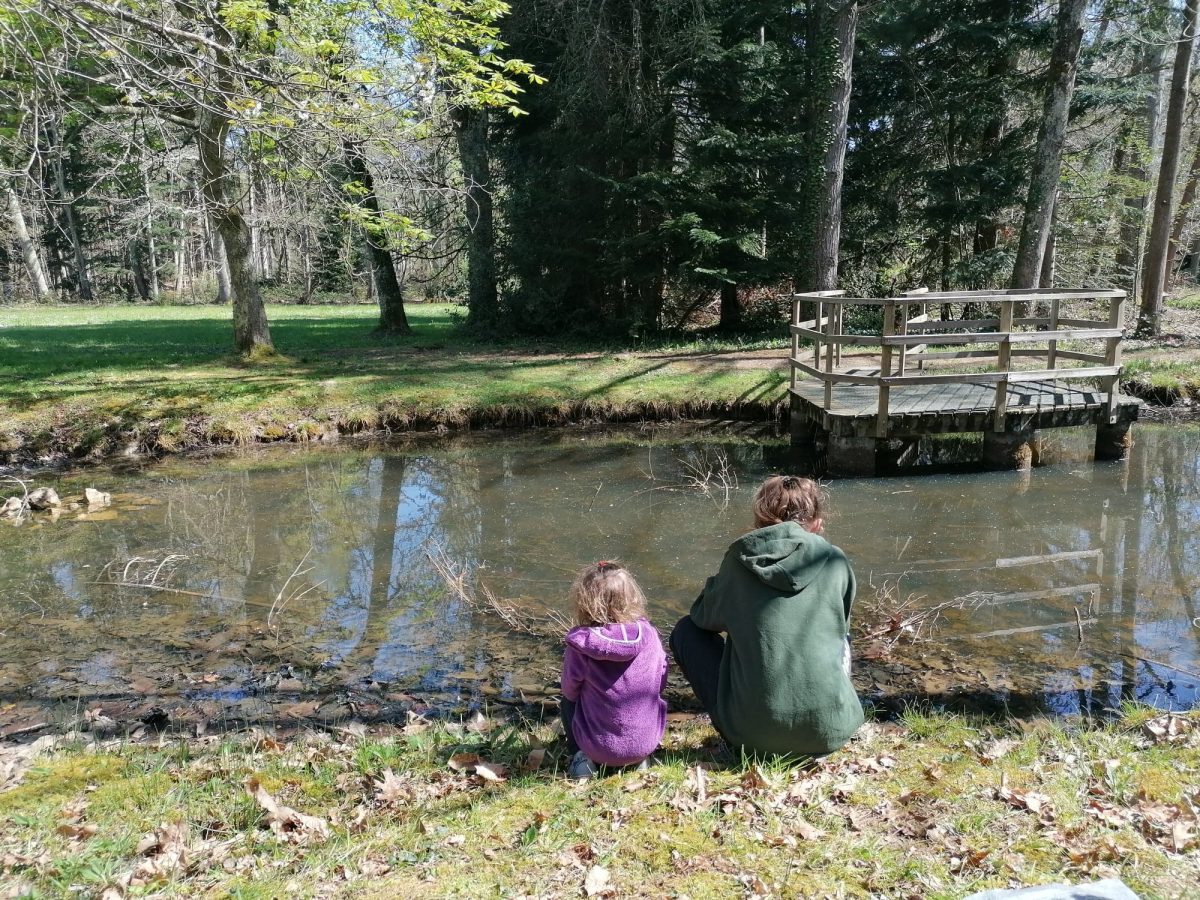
x=603 y=564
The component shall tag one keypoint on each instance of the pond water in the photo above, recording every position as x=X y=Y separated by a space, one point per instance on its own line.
x=291 y=585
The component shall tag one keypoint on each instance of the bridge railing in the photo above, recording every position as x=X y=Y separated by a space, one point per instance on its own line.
x=910 y=329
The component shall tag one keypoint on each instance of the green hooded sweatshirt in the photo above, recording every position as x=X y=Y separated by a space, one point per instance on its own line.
x=782 y=596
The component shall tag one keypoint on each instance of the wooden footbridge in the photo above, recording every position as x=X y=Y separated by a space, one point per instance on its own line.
x=863 y=412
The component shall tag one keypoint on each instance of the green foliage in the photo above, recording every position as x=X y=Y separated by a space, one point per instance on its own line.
x=940 y=137
x=667 y=142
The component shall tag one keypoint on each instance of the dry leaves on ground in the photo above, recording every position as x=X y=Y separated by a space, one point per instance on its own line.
x=165 y=853
x=1168 y=729
x=472 y=762
x=391 y=789
x=596 y=882
x=290 y=825
x=1034 y=802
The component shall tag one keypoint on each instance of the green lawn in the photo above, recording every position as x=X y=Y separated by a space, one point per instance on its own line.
x=96 y=379
x=934 y=807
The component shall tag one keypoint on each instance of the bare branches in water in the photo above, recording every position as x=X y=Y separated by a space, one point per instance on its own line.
x=479 y=597
x=886 y=618
x=708 y=473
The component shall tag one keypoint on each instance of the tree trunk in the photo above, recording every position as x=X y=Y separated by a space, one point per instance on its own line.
x=731 y=307
x=471 y=131
x=180 y=261
x=224 y=287
x=383 y=268
x=1050 y=257
x=1047 y=161
x=1181 y=217
x=83 y=282
x=139 y=286
x=33 y=262
x=251 y=334
x=1132 y=164
x=151 y=261
x=829 y=219
x=1155 y=261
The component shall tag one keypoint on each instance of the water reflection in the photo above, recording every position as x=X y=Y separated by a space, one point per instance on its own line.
x=301 y=585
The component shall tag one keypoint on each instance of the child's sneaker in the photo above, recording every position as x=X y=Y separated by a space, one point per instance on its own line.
x=643 y=766
x=581 y=767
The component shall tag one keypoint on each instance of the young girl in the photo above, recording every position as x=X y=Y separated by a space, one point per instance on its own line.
x=614 y=671
x=779 y=680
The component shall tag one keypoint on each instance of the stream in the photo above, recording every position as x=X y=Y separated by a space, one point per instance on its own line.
x=294 y=585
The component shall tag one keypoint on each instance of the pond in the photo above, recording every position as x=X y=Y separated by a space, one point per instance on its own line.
x=296 y=585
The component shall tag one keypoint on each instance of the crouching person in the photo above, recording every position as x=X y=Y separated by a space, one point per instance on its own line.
x=778 y=680
x=614 y=671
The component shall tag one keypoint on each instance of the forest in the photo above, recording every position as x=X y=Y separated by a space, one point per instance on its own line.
x=626 y=167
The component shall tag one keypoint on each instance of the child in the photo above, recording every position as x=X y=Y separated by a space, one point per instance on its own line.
x=614 y=671
x=779 y=681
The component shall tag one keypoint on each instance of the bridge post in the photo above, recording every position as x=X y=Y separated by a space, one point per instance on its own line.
x=851 y=456
x=1113 y=440
x=1011 y=449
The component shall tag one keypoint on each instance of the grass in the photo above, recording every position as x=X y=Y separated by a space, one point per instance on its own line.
x=82 y=380
x=1162 y=380
x=932 y=806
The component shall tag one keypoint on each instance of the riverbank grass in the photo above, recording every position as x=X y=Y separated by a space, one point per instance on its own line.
x=933 y=806
x=82 y=380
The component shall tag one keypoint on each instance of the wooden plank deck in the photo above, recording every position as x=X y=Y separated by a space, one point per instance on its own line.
x=955 y=408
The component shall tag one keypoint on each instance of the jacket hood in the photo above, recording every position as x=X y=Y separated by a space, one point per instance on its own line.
x=784 y=556
x=617 y=642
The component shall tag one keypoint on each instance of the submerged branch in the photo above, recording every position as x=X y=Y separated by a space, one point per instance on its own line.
x=551 y=624
x=887 y=618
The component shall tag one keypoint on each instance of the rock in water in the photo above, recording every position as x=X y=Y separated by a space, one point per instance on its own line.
x=43 y=498
x=11 y=508
x=96 y=498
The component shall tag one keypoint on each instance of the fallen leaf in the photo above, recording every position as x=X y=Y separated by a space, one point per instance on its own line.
x=77 y=832
x=596 y=881
x=455 y=840
x=1167 y=729
x=754 y=779
x=392 y=789
x=998 y=749
x=287 y=823
x=535 y=759
x=808 y=832
x=143 y=685
x=460 y=762
x=1038 y=804
x=302 y=710
x=493 y=772
x=166 y=849
x=479 y=723
x=755 y=886
x=373 y=867
x=353 y=730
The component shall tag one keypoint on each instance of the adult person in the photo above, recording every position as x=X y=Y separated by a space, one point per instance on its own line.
x=778 y=681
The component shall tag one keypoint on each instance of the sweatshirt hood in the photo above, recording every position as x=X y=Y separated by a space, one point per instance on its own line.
x=617 y=642
x=784 y=556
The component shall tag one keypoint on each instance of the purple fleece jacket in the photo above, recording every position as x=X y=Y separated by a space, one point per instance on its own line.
x=615 y=675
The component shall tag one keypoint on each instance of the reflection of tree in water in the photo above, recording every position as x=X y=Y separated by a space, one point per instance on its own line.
x=525 y=518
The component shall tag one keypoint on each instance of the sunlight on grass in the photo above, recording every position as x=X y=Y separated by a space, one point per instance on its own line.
x=94 y=379
x=932 y=806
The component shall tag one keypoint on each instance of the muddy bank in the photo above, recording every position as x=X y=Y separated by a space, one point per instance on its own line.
x=116 y=438
x=78 y=441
